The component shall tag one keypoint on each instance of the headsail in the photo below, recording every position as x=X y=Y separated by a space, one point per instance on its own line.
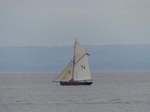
x=66 y=74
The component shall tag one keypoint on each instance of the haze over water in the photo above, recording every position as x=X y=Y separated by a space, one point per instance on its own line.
x=110 y=92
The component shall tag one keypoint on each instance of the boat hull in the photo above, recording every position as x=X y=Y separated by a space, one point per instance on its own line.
x=74 y=83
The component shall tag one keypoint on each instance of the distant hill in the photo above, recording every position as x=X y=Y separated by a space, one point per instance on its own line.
x=47 y=59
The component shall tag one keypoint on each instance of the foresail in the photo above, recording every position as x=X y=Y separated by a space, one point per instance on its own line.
x=81 y=69
x=66 y=74
x=79 y=51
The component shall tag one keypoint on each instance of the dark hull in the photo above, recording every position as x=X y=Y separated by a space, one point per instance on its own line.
x=74 y=83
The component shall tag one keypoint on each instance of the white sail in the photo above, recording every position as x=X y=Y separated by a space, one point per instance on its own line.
x=81 y=69
x=79 y=51
x=66 y=74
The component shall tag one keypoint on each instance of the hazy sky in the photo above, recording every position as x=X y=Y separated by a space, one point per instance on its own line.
x=59 y=22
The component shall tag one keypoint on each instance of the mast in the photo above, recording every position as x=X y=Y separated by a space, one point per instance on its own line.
x=73 y=62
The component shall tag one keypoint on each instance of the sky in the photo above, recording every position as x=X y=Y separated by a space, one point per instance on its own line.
x=60 y=22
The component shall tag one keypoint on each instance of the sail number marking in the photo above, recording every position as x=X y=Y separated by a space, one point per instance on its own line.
x=83 y=67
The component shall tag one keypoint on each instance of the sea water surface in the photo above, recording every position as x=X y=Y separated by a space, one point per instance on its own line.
x=110 y=92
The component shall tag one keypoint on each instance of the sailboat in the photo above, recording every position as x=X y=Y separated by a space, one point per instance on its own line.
x=77 y=72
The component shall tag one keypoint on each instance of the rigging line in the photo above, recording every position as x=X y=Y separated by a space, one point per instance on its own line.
x=80 y=58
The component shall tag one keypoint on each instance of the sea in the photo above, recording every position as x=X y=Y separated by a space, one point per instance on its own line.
x=118 y=91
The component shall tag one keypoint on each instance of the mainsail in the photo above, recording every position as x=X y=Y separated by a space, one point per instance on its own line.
x=81 y=69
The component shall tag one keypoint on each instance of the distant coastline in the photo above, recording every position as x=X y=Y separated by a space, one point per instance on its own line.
x=53 y=59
